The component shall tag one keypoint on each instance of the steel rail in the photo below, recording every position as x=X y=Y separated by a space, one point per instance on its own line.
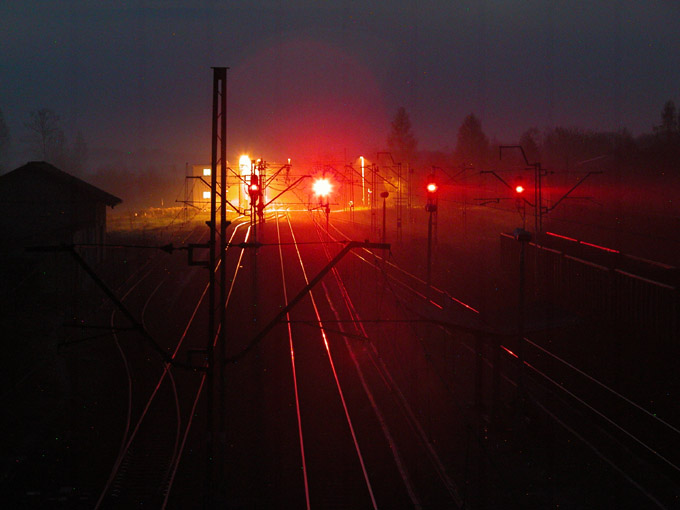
x=128 y=374
x=204 y=374
x=394 y=449
x=529 y=341
x=335 y=374
x=419 y=280
x=126 y=441
x=294 y=372
x=167 y=367
x=178 y=412
x=570 y=366
x=389 y=381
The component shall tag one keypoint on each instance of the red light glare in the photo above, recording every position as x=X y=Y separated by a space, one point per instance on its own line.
x=519 y=188
x=322 y=187
x=561 y=236
x=431 y=187
x=599 y=247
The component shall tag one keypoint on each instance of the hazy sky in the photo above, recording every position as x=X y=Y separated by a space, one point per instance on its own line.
x=321 y=78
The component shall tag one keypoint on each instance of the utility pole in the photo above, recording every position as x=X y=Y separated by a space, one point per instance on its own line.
x=372 y=198
x=539 y=173
x=219 y=141
x=523 y=237
x=384 y=196
x=396 y=169
x=222 y=353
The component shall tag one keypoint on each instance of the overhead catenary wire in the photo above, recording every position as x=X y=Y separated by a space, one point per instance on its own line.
x=386 y=375
x=335 y=376
x=180 y=439
x=650 y=415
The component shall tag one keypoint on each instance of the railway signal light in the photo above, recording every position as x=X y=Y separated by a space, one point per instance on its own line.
x=322 y=187
x=431 y=189
x=521 y=202
x=254 y=187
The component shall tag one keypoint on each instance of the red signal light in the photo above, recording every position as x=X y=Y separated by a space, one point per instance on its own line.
x=254 y=186
x=518 y=185
x=322 y=187
x=431 y=188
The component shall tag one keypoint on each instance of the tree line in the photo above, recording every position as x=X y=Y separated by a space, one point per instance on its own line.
x=44 y=139
x=560 y=148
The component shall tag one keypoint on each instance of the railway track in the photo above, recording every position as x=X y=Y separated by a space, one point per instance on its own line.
x=156 y=430
x=564 y=394
x=374 y=392
x=634 y=444
x=316 y=424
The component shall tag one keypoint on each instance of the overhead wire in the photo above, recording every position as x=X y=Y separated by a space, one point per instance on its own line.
x=594 y=380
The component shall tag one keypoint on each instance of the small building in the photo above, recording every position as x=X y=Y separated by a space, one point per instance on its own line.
x=198 y=188
x=42 y=205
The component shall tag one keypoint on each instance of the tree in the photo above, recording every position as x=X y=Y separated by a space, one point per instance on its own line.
x=472 y=145
x=46 y=141
x=45 y=138
x=5 y=142
x=667 y=131
x=401 y=141
x=530 y=141
x=564 y=147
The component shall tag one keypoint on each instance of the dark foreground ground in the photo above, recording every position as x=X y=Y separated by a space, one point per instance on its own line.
x=45 y=386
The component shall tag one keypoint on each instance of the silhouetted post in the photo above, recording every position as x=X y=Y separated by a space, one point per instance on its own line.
x=523 y=237
x=429 y=251
x=479 y=376
x=218 y=133
x=384 y=196
x=496 y=382
x=222 y=349
x=327 y=208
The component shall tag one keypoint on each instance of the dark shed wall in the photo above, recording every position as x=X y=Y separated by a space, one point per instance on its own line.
x=39 y=204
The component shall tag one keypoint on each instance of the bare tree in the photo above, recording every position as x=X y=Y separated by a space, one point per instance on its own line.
x=45 y=138
x=401 y=141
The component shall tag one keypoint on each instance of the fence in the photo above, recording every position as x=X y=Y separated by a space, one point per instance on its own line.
x=648 y=307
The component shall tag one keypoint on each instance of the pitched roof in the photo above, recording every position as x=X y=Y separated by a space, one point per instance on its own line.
x=44 y=170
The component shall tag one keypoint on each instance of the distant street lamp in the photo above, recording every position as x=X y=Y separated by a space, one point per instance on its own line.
x=363 y=182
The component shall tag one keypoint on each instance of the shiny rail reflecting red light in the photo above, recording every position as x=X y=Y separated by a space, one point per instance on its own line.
x=292 y=362
x=335 y=374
